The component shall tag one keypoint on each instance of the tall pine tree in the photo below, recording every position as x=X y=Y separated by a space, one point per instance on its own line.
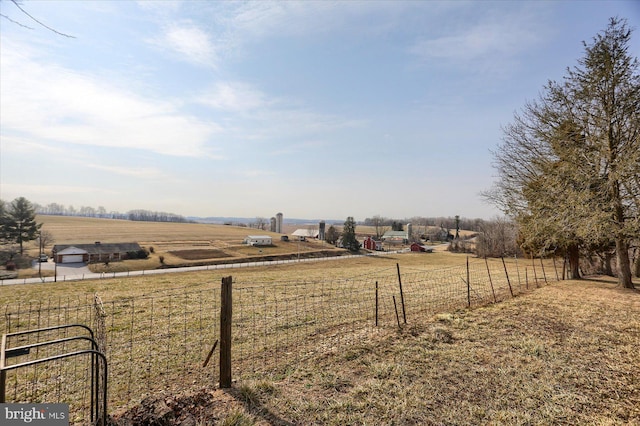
x=20 y=222
x=349 y=240
x=569 y=165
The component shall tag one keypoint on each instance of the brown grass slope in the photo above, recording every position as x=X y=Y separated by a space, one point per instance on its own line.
x=566 y=354
x=563 y=354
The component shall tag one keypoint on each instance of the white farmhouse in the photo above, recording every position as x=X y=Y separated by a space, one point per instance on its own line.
x=258 y=240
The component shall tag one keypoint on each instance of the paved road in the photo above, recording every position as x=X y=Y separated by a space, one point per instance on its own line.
x=80 y=271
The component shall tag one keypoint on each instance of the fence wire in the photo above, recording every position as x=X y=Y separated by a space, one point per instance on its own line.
x=159 y=342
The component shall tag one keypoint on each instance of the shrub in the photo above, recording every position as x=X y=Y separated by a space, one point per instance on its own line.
x=460 y=246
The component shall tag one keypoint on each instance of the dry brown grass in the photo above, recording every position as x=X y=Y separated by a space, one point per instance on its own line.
x=67 y=230
x=173 y=241
x=566 y=353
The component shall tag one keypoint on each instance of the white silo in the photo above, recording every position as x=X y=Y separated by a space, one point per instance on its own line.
x=409 y=231
x=279 y=223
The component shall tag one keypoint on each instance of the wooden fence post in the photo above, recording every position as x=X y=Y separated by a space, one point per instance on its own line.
x=555 y=268
x=226 y=313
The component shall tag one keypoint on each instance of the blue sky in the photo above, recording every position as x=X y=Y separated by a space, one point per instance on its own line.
x=317 y=110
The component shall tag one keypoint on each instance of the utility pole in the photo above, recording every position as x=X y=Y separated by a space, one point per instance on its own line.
x=40 y=256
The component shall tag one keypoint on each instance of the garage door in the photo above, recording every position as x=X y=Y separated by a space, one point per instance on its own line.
x=72 y=258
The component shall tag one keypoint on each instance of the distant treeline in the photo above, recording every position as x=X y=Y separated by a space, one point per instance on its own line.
x=100 y=212
x=475 y=225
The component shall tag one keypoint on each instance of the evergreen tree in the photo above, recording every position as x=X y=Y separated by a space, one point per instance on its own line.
x=20 y=222
x=397 y=226
x=332 y=235
x=569 y=164
x=4 y=229
x=349 y=240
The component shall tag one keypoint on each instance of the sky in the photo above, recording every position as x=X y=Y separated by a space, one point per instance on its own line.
x=315 y=109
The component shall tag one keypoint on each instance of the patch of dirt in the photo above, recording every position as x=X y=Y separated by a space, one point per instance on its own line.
x=199 y=254
x=201 y=408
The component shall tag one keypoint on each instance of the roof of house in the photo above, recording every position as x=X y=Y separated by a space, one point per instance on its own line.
x=259 y=237
x=303 y=232
x=99 y=248
x=395 y=234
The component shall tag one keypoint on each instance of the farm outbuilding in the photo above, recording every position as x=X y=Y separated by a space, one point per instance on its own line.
x=306 y=233
x=258 y=240
x=421 y=248
x=371 y=244
x=96 y=252
x=396 y=237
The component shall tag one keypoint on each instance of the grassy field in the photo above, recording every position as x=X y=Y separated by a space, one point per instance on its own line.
x=326 y=270
x=565 y=353
x=306 y=350
x=179 y=244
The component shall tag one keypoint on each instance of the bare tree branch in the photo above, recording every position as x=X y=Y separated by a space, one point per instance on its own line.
x=15 y=22
x=36 y=20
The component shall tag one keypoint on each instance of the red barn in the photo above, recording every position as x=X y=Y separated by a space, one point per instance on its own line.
x=420 y=248
x=371 y=244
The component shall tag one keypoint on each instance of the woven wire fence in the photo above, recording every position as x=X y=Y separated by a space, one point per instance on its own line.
x=159 y=342
x=153 y=343
x=277 y=326
x=52 y=381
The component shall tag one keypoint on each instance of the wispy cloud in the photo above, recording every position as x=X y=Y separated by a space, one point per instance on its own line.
x=47 y=102
x=490 y=40
x=52 y=190
x=255 y=173
x=188 y=42
x=234 y=96
x=251 y=115
x=277 y=18
x=137 y=172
